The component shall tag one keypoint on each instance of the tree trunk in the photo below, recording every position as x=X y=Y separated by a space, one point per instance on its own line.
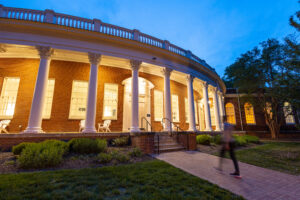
x=274 y=129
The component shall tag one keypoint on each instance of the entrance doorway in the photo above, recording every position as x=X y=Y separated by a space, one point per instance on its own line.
x=145 y=87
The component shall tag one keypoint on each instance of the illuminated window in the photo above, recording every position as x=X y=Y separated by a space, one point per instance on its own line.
x=48 y=100
x=158 y=105
x=8 y=97
x=249 y=113
x=175 y=108
x=78 y=100
x=110 y=104
x=230 y=114
x=196 y=112
x=212 y=112
x=287 y=109
x=186 y=104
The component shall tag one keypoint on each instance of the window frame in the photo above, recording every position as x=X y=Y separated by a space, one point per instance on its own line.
x=289 y=106
x=48 y=117
x=228 y=115
x=178 y=115
x=2 y=90
x=155 y=118
x=103 y=107
x=77 y=118
x=253 y=113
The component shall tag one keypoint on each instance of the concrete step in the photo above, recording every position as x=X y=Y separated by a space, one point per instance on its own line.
x=170 y=149
x=168 y=145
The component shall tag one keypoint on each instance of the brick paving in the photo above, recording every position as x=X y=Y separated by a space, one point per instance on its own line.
x=257 y=182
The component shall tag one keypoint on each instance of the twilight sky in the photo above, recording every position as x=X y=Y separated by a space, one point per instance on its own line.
x=217 y=31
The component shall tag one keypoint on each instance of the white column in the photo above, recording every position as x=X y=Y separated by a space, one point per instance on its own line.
x=35 y=118
x=92 y=94
x=192 y=124
x=167 y=96
x=206 y=107
x=216 y=109
x=135 y=65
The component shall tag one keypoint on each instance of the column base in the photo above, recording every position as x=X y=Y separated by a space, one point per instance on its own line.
x=218 y=129
x=134 y=129
x=33 y=130
x=193 y=130
x=89 y=130
x=208 y=129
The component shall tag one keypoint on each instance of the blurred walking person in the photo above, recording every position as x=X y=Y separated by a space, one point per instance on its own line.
x=228 y=144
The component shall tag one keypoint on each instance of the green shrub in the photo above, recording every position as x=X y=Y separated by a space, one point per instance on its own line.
x=251 y=139
x=17 y=149
x=42 y=155
x=87 y=146
x=240 y=140
x=135 y=152
x=118 y=156
x=104 y=158
x=121 y=141
x=203 y=139
x=217 y=139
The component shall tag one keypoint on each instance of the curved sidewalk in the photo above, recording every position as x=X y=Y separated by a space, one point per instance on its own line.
x=257 y=182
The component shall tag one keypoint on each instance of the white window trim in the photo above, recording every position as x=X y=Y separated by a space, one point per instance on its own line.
x=156 y=120
x=10 y=116
x=47 y=118
x=178 y=120
x=111 y=118
x=70 y=117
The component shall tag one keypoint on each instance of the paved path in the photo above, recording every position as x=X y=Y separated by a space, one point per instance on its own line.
x=257 y=182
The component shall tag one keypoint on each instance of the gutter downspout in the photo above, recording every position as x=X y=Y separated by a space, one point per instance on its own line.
x=237 y=91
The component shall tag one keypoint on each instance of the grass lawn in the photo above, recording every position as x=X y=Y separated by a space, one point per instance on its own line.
x=281 y=156
x=146 y=180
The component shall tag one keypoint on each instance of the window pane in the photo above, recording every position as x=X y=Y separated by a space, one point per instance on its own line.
x=48 y=100
x=287 y=109
x=175 y=108
x=196 y=112
x=230 y=114
x=158 y=105
x=249 y=113
x=78 y=100
x=110 y=102
x=212 y=112
x=8 y=97
x=186 y=110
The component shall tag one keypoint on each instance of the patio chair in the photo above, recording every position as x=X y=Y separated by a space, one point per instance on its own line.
x=105 y=126
x=3 y=125
x=81 y=125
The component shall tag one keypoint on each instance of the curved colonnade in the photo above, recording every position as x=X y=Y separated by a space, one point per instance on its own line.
x=47 y=36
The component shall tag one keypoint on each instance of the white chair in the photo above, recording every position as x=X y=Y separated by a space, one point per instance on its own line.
x=3 y=125
x=105 y=126
x=81 y=125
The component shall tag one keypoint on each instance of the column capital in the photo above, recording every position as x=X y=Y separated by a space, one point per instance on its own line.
x=94 y=58
x=45 y=51
x=190 y=77
x=204 y=84
x=214 y=89
x=135 y=64
x=166 y=71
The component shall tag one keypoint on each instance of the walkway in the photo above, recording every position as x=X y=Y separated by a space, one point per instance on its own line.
x=257 y=182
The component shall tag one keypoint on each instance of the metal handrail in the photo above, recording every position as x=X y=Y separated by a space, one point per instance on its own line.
x=177 y=127
x=147 y=123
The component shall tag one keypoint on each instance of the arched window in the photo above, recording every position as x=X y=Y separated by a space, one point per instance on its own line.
x=287 y=110
x=249 y=113
x=230 y=114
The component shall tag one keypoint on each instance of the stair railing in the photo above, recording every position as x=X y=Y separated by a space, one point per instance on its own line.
x=171 y=123
x=147 y=123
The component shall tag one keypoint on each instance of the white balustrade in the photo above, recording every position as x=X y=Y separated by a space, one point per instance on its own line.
x=94 y=25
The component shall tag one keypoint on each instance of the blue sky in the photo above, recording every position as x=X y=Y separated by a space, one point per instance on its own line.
x=217 y=31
